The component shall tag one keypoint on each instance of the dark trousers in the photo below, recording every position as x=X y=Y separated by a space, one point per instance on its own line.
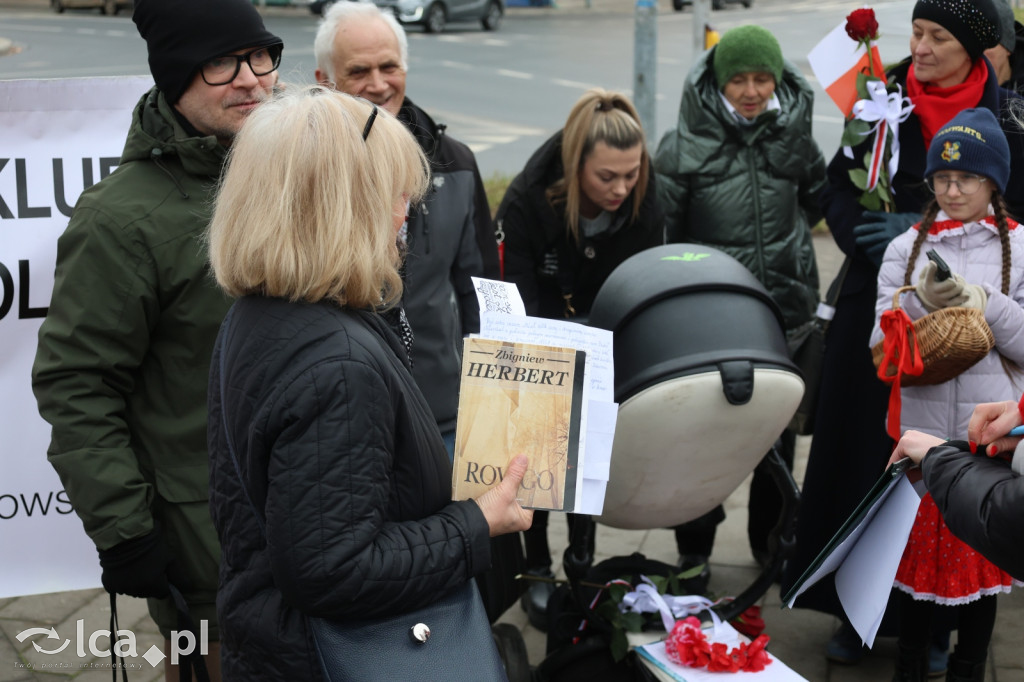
x=976 y=621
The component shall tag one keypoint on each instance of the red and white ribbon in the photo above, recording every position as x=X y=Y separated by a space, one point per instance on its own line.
x=886 y=110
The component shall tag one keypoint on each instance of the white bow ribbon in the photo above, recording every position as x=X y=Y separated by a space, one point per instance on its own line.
x=647 y=599
x=886 y=110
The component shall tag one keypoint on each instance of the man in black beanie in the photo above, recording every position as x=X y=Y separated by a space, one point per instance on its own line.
x=122 y=364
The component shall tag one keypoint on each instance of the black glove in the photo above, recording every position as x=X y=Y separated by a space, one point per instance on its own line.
x=138 y=567
x=878 y=229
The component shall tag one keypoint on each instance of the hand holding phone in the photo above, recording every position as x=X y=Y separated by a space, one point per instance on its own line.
x=943 y=272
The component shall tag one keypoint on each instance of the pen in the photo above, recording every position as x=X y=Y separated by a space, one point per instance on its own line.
x=1016 y=431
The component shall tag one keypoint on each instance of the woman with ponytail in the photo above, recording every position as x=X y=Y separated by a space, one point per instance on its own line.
x=584 y=203
x=966 y=223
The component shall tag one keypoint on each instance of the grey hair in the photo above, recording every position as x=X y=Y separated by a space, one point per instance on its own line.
x=343 y=12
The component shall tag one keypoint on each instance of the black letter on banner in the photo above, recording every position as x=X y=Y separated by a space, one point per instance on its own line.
x=8 y=297
x=24 y=311
x=5 y=211
x=107 y=166
x=24 y=210
x=58 y=184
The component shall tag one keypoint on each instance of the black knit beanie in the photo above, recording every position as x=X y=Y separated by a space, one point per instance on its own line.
x=181 y=35
x=972 y=142
x=974 y=23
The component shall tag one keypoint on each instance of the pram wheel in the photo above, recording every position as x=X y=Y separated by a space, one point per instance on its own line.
x=512 y=649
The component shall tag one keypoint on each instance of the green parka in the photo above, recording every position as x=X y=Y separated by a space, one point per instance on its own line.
x=124 y=352
x=750 y=191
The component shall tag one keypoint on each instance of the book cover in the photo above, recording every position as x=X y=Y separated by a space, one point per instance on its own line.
x=519 y=398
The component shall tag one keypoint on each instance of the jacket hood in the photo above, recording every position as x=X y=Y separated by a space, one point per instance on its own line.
x=155 y=134
x=708 y=126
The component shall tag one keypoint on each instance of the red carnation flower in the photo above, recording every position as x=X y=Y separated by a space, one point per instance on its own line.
x=756 y=657
x=861 y=25
x=721 y=661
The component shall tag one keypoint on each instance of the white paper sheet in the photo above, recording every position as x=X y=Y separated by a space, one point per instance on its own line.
x=499 y=297
x=864 y=580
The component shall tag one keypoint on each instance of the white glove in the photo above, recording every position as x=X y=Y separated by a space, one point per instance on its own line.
x=935 y=295
x=974 y=297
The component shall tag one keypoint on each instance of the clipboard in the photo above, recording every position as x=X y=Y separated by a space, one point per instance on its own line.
x=843 y=543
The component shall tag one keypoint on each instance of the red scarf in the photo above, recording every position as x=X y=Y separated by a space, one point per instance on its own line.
x=935 y=106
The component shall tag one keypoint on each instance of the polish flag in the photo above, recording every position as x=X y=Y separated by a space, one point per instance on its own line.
x=837 y=60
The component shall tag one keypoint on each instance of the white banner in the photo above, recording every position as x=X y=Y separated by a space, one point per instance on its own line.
x=58 y=137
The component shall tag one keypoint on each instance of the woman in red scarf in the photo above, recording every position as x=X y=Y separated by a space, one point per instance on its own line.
x=945 y=73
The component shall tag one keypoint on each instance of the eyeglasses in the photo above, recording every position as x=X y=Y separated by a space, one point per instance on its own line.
x=966 y=184
x=223 y=70
x=369 y=122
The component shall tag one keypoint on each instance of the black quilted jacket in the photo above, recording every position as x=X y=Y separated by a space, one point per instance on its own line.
x=345 y=510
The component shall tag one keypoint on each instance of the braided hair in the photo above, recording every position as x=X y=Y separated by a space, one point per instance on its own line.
x=1000 y=213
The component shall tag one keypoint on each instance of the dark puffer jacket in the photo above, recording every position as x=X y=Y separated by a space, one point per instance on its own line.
x=342 y=459
x=540 y=257
x=748 y=190
x=451 y=239
x=981 y=501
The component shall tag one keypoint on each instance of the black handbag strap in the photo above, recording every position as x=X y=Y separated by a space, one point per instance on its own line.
x=193 y=661
x=837 y=284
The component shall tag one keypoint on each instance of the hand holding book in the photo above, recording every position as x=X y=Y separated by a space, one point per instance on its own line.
x=499 y=505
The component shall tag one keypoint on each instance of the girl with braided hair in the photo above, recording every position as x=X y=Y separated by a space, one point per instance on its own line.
x=967 y=224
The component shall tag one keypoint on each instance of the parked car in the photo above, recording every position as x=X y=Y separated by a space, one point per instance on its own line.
x=434 y=15
x=108 y=7
x=678 y=5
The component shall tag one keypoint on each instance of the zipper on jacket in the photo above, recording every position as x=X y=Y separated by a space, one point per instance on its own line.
x=423 y=213
x=752 y=167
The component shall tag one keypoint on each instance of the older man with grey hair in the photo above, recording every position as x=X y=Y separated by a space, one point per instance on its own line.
x=1008 y=56
x=449 y=237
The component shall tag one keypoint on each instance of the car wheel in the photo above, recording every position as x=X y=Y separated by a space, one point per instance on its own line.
x=678 y=5
x=57 y=6
x=109 y=8
x=492 y=20
x=747 y=3
x=718 y=4
x=435 y=18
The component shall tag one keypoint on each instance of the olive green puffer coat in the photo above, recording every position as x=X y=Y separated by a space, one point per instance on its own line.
x=750 y=191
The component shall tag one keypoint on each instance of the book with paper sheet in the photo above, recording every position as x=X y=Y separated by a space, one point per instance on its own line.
x=519 y=398
x=658 y=663
x=866 y=551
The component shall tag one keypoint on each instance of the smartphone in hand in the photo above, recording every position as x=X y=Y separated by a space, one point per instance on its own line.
x=943 y=273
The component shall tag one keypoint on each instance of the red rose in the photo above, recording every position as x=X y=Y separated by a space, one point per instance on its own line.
x=861 y=25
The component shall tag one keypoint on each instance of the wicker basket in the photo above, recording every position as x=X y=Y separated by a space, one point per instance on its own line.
x=949 y=341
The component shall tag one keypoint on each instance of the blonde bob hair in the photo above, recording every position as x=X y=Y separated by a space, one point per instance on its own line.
x=598 y=116
x=306 y=206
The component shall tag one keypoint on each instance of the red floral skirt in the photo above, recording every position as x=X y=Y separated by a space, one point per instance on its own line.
x=937 y=566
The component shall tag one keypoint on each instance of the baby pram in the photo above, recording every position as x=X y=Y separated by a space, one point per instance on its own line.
x=705 y=386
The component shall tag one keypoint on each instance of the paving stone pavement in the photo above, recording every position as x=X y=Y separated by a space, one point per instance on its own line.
x=798 y=636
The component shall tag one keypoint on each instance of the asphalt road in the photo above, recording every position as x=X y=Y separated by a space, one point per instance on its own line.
x=503 y=93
